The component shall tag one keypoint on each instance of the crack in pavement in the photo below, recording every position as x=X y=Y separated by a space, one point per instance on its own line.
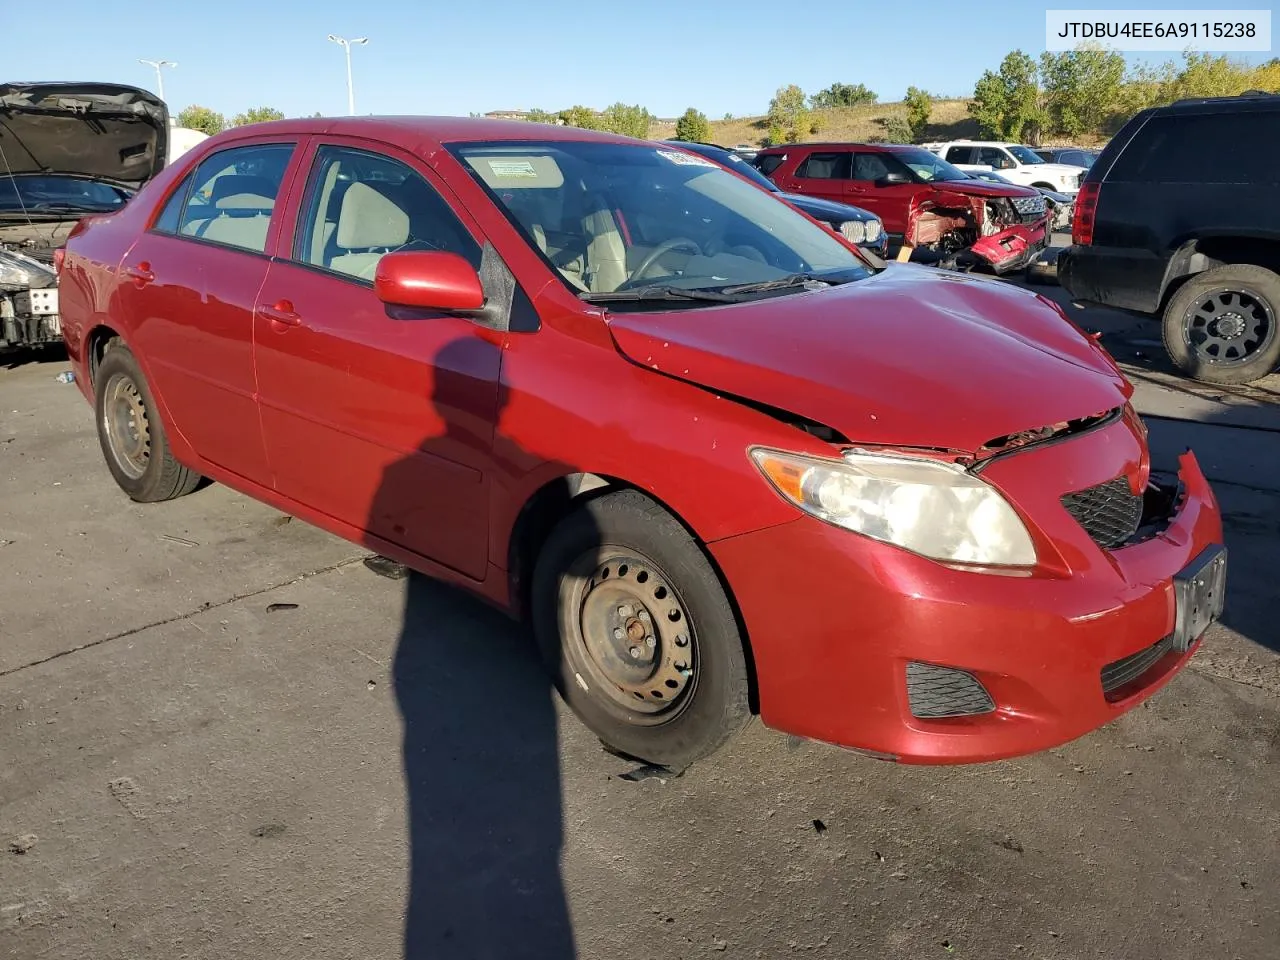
x=134 y=631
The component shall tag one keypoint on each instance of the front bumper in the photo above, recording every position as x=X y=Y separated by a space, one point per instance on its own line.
x=835 y=619
x=1012 y=248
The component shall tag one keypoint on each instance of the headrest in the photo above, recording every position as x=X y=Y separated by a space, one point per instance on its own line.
x=370 y=218
x=235 y=191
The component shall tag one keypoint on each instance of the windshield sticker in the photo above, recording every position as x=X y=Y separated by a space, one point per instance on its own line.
x=512 y=168
x=686 y=159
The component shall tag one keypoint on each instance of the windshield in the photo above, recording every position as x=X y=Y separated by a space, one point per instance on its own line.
x=990 y=175
x=618 y=217
x=53 y=194
x=928 y=166
x=1025 y=154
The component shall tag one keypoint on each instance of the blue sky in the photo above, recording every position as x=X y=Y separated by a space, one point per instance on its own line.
x=454 y=58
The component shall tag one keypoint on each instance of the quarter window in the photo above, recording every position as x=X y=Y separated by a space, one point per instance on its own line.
x=1179 y=149
x=234 y=195
x=171 y=216
x=361 y=206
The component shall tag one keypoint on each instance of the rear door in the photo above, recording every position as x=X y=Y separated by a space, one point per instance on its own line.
x=888 y=201
x=824 y=175
x=191 y=283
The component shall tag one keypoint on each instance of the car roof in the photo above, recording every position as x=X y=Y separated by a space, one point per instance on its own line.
x=1249 y=101
x=844 y=145
x=438 y=129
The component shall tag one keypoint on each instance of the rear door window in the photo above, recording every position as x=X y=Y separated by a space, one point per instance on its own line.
x=825 y=166
x=959 y=155
x=770 y=162
x=1193 y=149
x=234 y=194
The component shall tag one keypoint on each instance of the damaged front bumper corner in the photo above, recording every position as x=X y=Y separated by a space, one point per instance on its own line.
x=1013 y=247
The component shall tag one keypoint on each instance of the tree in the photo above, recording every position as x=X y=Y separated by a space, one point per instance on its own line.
x=896 y=129
x=257 y=115
x=788 y=115
x=1007 y=104
x=627 y=120
x=579 y=116
x=203 y=119
x=693 y=126
x=842 y=95
x=919 y=105
x=541 y=116
x=1082 y=88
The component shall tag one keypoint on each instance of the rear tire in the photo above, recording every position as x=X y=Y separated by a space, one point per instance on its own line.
x=1222 y=325
x=130 y=432
x=637 y=632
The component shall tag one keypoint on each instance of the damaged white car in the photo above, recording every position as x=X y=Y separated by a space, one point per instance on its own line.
x=67 y=151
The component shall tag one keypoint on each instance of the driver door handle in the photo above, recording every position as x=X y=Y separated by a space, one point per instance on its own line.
x=282 y=313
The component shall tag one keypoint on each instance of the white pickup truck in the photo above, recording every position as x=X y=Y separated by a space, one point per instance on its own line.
x=1016 y=163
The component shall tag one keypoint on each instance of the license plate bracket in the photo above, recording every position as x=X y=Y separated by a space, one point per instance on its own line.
x=1200 y=592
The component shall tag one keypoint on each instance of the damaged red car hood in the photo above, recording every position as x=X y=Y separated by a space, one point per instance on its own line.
x=984 y=188
x=909 y=357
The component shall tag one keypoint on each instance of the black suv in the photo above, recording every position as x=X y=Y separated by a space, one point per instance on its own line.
x=1180 y=218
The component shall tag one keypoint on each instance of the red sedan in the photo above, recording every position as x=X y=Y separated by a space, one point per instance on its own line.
x=723 y=462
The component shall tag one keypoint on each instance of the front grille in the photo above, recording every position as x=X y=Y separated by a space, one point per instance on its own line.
x=1122 y=672
x=1110 y=512
x=934 y=692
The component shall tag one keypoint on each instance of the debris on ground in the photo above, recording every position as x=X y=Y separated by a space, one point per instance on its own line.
x=386 y=567
x=20 y=845
x=66 y=376
x=181 y=540
x=647 y=771
x=276 y=607
x=819 y=827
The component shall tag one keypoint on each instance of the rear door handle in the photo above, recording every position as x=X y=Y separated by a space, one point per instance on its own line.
x=141 y=275
x=281 y=312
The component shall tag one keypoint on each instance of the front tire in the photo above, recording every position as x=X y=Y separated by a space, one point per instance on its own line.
x=637 y=632
x=130 y=432
x=1221 y=326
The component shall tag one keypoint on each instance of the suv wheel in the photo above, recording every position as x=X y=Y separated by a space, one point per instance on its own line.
x=1221 y=326
x=637 y=632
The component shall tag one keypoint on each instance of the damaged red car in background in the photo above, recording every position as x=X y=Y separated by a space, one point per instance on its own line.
x=925 y=203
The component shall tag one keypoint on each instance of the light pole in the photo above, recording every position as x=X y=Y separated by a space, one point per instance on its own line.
x=159 y=79
x=346 y=46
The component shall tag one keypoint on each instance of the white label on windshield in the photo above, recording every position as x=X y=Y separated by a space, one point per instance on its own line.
x=512 y=168
x=686 y=159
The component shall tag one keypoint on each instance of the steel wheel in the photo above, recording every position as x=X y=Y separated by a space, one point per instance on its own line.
x=127 y=428
x=634 y=638
x=1229 y=326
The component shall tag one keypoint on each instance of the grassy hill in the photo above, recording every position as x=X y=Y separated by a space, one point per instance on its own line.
x=948 y=120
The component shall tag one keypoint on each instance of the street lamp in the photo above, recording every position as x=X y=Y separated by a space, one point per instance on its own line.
x=159 y=79
x=346 y=46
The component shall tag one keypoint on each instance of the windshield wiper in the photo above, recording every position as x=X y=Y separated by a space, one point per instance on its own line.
x=781 y=283
x=660 y=292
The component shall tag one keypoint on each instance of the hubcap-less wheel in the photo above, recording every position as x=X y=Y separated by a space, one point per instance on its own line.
x=124 y=417
x=1229 y=326
x=635 y=640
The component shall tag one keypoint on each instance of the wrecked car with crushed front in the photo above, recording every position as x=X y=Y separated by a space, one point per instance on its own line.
x=67 y=151
x=723 y=461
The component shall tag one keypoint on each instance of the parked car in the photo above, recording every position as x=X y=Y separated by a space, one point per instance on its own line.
x=861 y=226
x=922 y=200
x=1017 y=162
x=1165 y=229
x=66 y=150
x=1060 y=205
x=721 y=461
x=1070 y=156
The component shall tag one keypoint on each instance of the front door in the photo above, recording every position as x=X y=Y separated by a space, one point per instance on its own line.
x=380 y=418
x=888 y=201
x=194 y=279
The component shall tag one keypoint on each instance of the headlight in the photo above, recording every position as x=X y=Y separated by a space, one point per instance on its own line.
x=926 y=506
x=874 y=228
x=1029 y=204
x=854 y=230
x=19 y=270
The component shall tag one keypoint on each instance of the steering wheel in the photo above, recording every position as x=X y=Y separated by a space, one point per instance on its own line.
x=666 y=246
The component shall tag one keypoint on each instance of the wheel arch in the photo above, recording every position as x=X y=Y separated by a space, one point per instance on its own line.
x=560 y=496
x=1195 y=255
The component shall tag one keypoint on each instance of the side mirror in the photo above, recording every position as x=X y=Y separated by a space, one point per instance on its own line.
x=431 y=280
x=894 y=176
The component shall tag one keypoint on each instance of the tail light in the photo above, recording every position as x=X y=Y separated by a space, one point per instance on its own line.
x=1085 y=209
x=59 y=255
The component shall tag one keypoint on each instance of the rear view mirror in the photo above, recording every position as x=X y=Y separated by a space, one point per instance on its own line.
x=431 y=280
